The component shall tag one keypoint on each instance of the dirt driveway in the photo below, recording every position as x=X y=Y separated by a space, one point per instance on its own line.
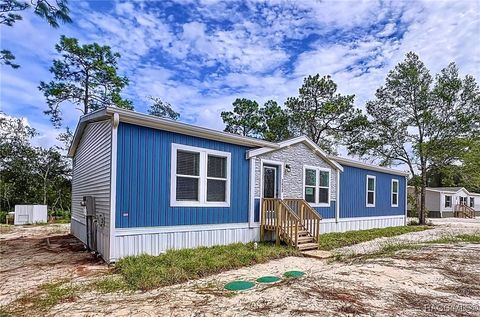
x=33 y=255
x=435 y=280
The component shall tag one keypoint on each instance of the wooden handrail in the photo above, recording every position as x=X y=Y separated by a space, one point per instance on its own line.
x=464 y=211
x=309 y=217
x=278 y=216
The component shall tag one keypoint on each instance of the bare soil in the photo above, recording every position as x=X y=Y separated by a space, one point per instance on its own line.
x=33 y=255
x=436 y=280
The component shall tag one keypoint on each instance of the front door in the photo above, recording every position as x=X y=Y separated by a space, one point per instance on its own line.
x=269 y=182
x=463 y=200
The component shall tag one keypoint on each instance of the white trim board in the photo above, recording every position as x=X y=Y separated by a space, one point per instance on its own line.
x=362 y=218
x=172 y=229
x=113 y=184
x=251 y=193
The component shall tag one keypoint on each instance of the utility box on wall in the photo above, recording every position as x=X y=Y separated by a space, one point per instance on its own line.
x=30 y=214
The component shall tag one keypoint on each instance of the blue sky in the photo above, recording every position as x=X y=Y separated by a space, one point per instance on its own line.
x=201 y=55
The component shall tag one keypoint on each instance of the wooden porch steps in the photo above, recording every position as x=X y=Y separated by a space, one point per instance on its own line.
x=293 y=221
x=464 y=211
x=308 y=246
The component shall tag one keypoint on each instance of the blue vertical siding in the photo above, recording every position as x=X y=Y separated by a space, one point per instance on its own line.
x=327 y=212
x=143 y=181
x=353 y=194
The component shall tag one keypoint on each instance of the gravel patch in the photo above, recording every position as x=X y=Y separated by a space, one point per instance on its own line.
x=443 y=228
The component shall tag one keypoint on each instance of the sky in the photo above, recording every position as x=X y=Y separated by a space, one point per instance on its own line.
x=200 y=55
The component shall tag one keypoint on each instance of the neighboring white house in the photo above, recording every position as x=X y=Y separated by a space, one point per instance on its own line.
x=442 y=202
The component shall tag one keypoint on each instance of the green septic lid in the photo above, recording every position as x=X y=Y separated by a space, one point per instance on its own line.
x=294 y=274
x=239 y=285
x=268 y=279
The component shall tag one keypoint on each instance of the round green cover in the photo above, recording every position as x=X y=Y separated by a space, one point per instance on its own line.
x=294 y=274
x=268 y=279
x=239 y=285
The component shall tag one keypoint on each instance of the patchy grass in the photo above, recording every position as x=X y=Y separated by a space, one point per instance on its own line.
x=175 y=266
x=387 y=250
x=47 y=296
x=4 y=229
x=470 y=238
x=330 y=241
x=110 y=284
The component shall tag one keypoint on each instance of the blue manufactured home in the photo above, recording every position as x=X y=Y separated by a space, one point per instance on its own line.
x=143 y=184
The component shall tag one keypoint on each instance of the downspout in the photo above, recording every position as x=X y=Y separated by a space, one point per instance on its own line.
x=113 y=187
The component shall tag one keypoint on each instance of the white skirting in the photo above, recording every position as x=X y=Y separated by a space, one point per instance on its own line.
x=79 y=230
x=155 y=241
x=348 y=224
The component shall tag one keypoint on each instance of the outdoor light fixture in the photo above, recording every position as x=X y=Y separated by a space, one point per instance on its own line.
x=288 y=168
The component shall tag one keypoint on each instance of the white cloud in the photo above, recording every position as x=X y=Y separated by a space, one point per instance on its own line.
x=218 y=51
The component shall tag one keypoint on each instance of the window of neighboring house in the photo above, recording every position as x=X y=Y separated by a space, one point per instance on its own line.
x=371 y=187
x=317 y=186
x=472 y=202
x=394 y=193
x=448 y=201
x=200 y=177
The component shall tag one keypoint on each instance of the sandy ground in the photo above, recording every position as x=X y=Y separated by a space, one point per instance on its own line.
x=34 y=255
x=446 y=227
x=437 y=280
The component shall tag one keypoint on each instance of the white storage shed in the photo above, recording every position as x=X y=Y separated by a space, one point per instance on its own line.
x=30 y=214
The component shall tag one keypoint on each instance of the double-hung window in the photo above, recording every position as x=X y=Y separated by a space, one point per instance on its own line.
x=317 y=186
x=371 y=187
x=199 y=177
x=448 y=201
x=472 y=202
x=394 y=192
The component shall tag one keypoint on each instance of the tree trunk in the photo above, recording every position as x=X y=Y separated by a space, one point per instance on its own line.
x=423 y=212
x=85 y=100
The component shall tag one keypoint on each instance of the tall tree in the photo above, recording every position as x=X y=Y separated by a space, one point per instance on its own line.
x=162 y=109
x=245 y=118
x=52 y=11
x=417 y=121
x=50 y=168
x=16 y=162
x=86 y=77
x=275 y=122
x=30 y=174
x=321 y=113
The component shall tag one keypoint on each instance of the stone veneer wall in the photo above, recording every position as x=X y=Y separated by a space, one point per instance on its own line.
x=296 y=156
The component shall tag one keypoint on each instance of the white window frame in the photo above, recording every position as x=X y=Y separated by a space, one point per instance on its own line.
x=471 y=202
x=374 y=191
x=202 y=183
x=445 y=201
x=317 y=184
x=393 y=193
